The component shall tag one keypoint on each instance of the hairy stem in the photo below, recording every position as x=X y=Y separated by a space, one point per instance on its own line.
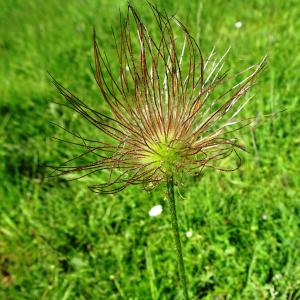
x=172 y=206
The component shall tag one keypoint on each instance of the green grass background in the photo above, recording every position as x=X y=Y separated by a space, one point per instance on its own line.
x=60 y=241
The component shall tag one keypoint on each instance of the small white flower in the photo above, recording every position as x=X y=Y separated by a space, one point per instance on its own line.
x=155 y=210
x=189 y=233
x=238 y=24
x=264 y=217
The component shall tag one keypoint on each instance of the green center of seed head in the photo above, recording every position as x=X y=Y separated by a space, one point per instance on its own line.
x=166 y=154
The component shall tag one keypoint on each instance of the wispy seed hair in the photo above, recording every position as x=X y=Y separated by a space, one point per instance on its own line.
x=165 y=98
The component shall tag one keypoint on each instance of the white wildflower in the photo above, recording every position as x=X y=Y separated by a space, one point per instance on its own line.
x=155 y=210
x=264 y=217
x=238 y=24
x=189 y=233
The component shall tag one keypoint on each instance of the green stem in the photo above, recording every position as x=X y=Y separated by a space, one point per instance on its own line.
x=172 y=206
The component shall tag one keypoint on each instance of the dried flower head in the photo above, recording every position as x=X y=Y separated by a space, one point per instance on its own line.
x=169 y=110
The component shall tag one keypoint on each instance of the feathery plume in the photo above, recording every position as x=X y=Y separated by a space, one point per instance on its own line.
x=169 y=110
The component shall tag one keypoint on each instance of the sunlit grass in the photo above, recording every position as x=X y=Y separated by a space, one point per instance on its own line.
x=60 y=241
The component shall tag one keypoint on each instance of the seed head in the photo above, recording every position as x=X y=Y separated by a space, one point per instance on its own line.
x=170 y=111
